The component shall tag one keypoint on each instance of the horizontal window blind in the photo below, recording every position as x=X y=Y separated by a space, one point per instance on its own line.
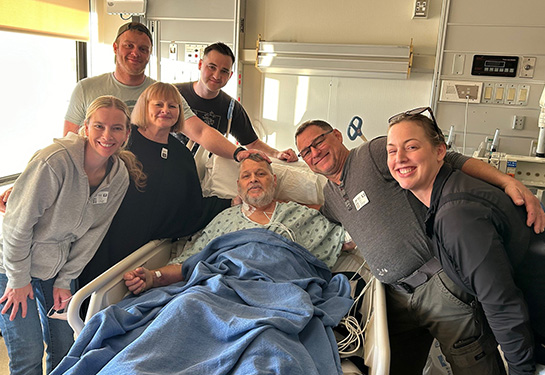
x=62 y=18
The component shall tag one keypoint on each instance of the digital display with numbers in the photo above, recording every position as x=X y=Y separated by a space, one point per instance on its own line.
x=498 y=66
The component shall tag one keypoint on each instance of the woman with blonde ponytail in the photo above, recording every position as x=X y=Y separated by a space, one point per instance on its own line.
x=58 y=213
x=134 y=166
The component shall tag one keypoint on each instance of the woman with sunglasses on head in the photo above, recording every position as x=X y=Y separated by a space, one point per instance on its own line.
x=480 y=238
x=59 y=211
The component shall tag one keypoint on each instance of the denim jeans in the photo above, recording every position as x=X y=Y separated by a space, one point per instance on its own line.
x=25 y=337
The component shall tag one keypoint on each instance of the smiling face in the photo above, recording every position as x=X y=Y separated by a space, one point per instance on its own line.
x=107 y=130
x=132 y=50
x=327 y=154
x=162 y=114
x=215 y=70
x=412 y=159
x=256 y=183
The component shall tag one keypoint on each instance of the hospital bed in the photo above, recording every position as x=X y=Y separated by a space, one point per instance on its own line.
x=293 y=179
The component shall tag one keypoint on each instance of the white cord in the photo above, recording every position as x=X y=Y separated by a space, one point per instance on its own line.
x=465 y=125
x=355 y=337
x=290 y=233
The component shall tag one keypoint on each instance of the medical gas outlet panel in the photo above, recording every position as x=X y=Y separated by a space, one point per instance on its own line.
x=500 y=89
x=529 y=170
x=485 y=92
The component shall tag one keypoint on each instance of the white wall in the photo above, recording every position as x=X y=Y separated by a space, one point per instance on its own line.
x=490 y=27
x=336 y=100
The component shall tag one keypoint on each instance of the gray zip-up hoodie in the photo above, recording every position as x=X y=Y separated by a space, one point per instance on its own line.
x=53 y=226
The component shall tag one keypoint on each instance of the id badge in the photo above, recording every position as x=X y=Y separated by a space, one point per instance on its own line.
x=101 y=198
x=360 y=200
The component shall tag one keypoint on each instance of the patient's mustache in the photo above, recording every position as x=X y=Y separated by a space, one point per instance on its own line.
x=255 y=185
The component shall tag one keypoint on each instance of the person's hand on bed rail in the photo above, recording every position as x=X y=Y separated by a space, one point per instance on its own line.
x=142 y=279
x=139 y=280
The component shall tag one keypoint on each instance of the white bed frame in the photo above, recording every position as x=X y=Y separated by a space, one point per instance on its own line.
x=110 y=288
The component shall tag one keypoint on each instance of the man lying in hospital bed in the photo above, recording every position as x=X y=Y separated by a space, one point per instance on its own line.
x=256 y=187
x=254 y=301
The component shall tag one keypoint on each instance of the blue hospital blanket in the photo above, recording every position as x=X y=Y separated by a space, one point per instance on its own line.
x=254 y=303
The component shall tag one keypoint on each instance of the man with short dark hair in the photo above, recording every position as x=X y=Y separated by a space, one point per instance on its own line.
x=132 y=48
x=219 y=110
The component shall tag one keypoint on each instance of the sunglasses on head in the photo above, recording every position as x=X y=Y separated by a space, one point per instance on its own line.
x=413 y=112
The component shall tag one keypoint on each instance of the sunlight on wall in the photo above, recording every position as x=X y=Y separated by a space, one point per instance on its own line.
x=271 y=92
x=301 y=100
x=270 y=139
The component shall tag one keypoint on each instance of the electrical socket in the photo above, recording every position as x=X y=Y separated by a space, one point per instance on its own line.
x=467 y=91
x=518 y=122
x=461 y=91
x=421 y=9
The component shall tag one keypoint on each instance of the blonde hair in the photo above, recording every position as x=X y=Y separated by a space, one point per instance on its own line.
x=158 y=90
x=134 y=166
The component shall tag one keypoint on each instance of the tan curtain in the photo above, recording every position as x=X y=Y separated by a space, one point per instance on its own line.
x=63 y=18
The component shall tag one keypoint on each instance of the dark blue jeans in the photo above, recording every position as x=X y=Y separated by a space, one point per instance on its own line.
x=25 y=337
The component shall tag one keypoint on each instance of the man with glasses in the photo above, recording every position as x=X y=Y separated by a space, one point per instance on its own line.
x=386 y=224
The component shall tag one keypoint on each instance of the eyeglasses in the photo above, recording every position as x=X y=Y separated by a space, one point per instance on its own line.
x=134 y=26
x=413 y=112
x=316 y=144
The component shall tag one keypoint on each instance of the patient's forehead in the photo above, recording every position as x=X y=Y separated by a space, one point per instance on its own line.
x=248 y=165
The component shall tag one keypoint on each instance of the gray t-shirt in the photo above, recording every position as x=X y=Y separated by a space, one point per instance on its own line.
x=385 y=221
x=91 y=88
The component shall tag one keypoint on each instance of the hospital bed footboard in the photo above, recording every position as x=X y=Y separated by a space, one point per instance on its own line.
x=109 y=288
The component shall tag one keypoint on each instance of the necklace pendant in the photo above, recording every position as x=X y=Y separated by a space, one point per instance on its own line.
x=164 y=153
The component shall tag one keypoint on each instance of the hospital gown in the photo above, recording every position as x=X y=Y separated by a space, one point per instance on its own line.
x=298 y=223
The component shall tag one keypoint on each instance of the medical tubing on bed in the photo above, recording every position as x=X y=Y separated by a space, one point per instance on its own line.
x=247 y=209
x=355 y=337
x=290 y=233
x=355 y=332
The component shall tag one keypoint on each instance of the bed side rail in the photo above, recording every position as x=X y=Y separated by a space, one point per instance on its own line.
x=109 y=287
x=377 y=344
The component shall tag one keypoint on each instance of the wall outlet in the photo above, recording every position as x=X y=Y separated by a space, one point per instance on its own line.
x=518 y=122
x=421 y=9
x=467 y=91
x=461 y=91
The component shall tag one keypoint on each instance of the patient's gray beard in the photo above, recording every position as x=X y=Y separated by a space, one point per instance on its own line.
x=261 y=201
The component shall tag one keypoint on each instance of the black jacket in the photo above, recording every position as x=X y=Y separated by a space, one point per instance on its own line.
x=482 y=240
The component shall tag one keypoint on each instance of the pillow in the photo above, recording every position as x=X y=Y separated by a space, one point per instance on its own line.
x=295 y=181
